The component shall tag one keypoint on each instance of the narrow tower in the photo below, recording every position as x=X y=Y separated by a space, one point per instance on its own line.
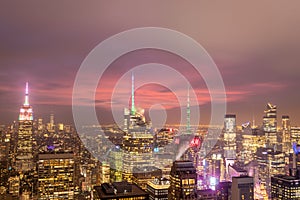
x=188 y=113
x=132 y=95
x=26 y=110
x=24 y=152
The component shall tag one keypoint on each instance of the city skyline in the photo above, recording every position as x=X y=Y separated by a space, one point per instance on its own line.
x=149 y=100
x=258 y=63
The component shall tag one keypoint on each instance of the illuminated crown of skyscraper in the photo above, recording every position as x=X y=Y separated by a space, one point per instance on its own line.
x=26 y=112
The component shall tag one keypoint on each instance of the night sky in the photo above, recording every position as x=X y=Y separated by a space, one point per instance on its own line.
x=255 y=45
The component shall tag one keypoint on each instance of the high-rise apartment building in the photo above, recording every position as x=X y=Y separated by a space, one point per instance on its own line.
x=56 y=176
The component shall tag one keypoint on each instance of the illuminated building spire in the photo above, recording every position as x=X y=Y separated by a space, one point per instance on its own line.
x=132 y=95
x=26 y=103
x=26 y=110
x=188 y=112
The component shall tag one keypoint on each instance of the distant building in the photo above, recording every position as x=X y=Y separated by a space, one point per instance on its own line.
x=158 y=189
x=142 y=175
x=230 y=136
x=115 y=158
x=164 y=137
x=295 y=134
x=286 y=134
x=183 y=180
x=252 y=138
x=56 y=176
x=104 y=172
x=14 y=185
x=270 y=125
x=229 y=141
x=119 y=190
x=215 y=165
x=242 y=188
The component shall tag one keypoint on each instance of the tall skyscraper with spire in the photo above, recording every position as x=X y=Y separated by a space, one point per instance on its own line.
x=137 y=141
x=24 y=153
x=188 y=140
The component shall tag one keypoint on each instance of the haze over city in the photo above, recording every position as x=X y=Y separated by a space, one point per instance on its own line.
x=254 y=45
x=103 y=100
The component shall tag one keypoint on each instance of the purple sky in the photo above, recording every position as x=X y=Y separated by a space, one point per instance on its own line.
x=255 y=45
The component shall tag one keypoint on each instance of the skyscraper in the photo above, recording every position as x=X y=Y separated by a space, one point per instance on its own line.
x=230 y=136
x=56 y=176
x=229 y=140
x=286 y=134
x=248 y=144
x=270 y=125
x=115 y=158
x=270 y=163
x=137 y=141
x=188 y=141
x=183 y=180
x=24 y=152
x=287 y=187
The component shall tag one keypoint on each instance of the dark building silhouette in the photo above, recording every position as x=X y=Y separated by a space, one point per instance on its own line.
x=183 y=180
x=242 y=188
x=119 y=190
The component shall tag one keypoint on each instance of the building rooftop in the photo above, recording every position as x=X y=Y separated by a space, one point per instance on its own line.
x=119 y=190
x=159 y=183
x=286 y=178
x=242 y=177
x=47 y=156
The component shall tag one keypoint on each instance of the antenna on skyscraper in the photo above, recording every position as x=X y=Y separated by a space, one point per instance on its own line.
x=132 y=94
x=26 y=103
x=188 y=112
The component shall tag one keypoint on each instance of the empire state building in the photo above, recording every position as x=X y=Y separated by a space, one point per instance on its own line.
x=24 y=153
